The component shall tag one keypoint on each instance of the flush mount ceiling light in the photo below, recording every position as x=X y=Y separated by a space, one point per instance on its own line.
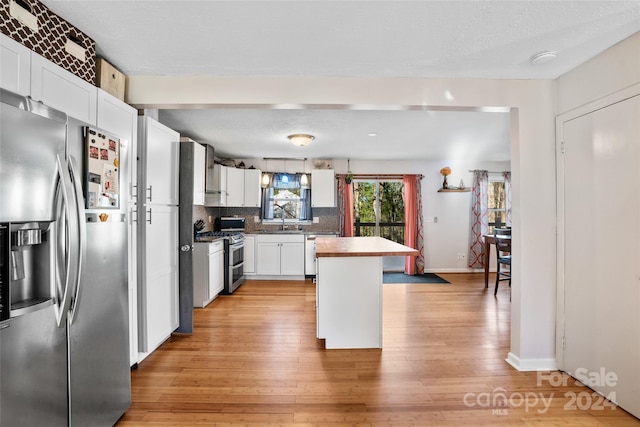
x=543 y=57
x=301 y=139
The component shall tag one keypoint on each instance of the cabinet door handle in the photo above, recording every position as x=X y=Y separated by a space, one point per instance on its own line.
x=134 y=218
x=149 y=212
x=149 y=191
x=134 y=196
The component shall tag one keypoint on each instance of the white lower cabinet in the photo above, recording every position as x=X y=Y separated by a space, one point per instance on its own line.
x=249 y=255
x=280 y=255
x=208 y=272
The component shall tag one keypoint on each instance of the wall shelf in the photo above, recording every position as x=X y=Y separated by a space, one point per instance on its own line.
x=455 y=190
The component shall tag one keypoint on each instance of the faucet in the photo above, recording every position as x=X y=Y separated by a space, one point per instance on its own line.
x=284 y=212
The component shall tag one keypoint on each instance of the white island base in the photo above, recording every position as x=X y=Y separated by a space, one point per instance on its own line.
x=349 y=289
x=349 y=301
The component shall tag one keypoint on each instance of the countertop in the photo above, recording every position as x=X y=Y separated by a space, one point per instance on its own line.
x=207 y=239
x=294 y=232
x=360 y=246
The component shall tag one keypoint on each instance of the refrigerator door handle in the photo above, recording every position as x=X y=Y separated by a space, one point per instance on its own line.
x=81 y=235
x=67 y=223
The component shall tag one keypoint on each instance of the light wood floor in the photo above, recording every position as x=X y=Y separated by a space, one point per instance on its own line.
x=254 y=359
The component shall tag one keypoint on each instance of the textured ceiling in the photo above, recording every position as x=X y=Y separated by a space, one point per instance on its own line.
x=476 y=39
x=400 y=135
x=486 y=39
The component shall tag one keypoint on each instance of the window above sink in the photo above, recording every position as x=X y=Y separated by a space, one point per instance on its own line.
x=285 y=200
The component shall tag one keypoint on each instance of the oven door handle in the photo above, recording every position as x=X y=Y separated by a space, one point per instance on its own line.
x=236 y=246
x=237 y=265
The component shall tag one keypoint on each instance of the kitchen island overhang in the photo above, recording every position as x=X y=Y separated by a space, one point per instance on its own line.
x=349 y=289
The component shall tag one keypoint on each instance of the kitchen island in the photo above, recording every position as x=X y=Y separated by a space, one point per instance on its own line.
x=349 y=289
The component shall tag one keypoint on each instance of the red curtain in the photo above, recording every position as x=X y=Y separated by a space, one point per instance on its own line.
x=345 y=192
x=413 y=224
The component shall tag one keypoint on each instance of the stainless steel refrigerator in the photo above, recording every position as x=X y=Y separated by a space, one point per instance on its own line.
x=64 y=358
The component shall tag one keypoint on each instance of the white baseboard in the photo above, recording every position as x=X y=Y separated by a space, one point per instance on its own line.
x=262 y=277
x=525 y=365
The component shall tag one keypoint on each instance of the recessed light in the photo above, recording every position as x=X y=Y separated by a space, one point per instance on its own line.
x=543 y=57
x=372 y=134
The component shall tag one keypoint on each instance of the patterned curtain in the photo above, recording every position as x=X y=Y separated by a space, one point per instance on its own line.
x=345 y=206
x=479 y=218
x=413 y=228
x=507 y=195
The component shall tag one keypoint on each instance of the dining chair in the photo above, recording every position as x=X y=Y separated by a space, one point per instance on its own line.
x=503 y=254
x=502 y=231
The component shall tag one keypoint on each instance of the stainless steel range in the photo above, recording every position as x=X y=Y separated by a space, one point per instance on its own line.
x=231 y=229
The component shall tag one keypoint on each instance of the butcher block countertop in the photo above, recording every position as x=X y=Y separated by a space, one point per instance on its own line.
x=360 y=246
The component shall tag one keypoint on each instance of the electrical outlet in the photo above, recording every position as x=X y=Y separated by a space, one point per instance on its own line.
x=462 y=256
x=316 y=219
x=256 y=218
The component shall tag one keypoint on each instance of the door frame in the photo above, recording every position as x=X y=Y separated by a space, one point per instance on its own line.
x=377 y=203
x=561 y=119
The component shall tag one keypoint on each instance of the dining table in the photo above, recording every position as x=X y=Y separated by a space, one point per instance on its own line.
x=490 y=239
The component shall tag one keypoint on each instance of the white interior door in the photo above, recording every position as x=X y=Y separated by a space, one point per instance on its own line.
x=602 y=251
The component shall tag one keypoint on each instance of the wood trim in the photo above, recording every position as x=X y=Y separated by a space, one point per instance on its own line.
x=455 y=190
x=378 y=176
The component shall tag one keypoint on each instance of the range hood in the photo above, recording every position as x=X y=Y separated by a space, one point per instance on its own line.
x=209 y=184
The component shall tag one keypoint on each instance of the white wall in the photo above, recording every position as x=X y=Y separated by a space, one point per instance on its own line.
x=614 y=75
x=443 y=239
x=532 y=104
x=614 y=69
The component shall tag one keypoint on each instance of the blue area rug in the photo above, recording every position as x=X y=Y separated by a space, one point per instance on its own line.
x=405 y=278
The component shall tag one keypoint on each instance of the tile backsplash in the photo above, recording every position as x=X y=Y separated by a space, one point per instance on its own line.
x=328 y=219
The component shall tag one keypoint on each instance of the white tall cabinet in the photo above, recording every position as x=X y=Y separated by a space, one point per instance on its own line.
x=121 y=120
x=159 y=152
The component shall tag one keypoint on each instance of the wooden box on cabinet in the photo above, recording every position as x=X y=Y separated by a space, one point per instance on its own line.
x=110 y=79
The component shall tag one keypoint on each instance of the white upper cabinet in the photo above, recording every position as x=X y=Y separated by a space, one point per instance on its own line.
x=235 y=187
x=58 y=88
x=29 y=74
x=121 y=120
x=252 y=190
x=199 y=159
x=15 y=66
x=323 y=188
x=160 y=147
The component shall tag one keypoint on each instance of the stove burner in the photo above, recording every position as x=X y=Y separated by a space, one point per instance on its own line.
x=232 y=236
